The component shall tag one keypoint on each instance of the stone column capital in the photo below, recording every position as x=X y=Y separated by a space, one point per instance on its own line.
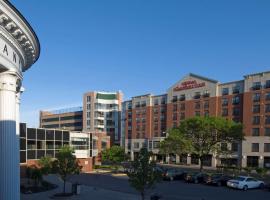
x=10 y=81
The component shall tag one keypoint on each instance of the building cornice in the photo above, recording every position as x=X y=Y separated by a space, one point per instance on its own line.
x=17 y=26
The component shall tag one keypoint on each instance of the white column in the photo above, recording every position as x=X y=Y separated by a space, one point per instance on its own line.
x=9 y=144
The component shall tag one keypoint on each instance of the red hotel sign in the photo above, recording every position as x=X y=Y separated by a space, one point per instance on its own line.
x=189 y=85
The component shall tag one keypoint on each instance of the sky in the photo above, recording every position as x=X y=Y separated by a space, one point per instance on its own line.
x=138 y=46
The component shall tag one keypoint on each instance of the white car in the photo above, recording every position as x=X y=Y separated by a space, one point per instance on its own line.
x=245 y=183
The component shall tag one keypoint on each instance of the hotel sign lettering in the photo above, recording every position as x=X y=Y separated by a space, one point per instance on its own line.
x=9 y=54
x=188 y=85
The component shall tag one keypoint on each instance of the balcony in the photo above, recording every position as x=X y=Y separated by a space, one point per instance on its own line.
x=182 y=98
x=236 y=91
x=206 y=95
x=197 y=96
x=256 y=87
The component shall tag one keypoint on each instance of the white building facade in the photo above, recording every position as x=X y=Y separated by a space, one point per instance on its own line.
x=19 y=50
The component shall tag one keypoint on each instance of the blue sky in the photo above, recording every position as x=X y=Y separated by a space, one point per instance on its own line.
x=138 y=46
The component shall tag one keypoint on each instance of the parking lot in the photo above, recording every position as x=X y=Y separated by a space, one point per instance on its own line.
x=172 y=190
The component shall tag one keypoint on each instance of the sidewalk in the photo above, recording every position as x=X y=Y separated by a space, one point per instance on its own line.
x=87 y=192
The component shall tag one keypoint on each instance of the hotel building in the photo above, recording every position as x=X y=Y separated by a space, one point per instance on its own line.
x=69 y=119
x=102 y=113
x=147 y=118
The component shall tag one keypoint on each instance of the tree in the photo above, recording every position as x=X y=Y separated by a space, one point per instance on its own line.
x=66 y=164
x=142 y=175
x=175 y=143
x=204 y=135
x=261 y=171
x=114 y=155
x=45 y=164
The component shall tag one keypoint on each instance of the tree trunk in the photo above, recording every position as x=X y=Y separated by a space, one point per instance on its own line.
x=201 y=163
x=64 y=189
x=142 y=195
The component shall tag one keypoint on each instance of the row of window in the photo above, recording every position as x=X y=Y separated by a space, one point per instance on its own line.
x=256 y=132
x=235 y=90
x=257 y=97
x=197 y=95
x=235 y=111
x=258 y=85
x=256 y=120
x=57 y=119
x=255 y=147
x=257 y=108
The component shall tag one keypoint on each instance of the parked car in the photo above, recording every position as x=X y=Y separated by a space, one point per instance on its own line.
x=217 y=179
x=174 y=174
x=245 y=183
x=195 y=177
x=267 y=186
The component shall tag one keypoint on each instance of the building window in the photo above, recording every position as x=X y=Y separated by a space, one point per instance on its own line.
x=267 y=84
x=235 y=100
x=162 y=110
x=155 y=110
x=236 y=89
x=255 y=132
x=206 y=113
x=175 y=107
x=182 y=115
x=156 y=102
x=267 y=119
x=206 y=94
x=143 y=103
x=234 y=147
x=256 y=108
x=163 y=101
x=267 y=96
x=197 y=95
x=255 y=147
x=174 y=99
x=256 y=97
x=256 y=86
x=224 y=101
x=136 y=145
x=236 y=111
x=182 y=106
x=252 y=161
x=256 y=120
x=267 y=108
x=266 y=147
x=88 y=98
x=206 y=104
x=224 y=112
x=175 y=116
x=225 y=91
x=267 y=132
x=197 y=105
x=182 y=97
x=197 y=113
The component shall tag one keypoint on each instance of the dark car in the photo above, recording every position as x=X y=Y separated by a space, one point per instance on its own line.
x=195 y=177
x=174 y=174
x=217 y=179
x=267 y=186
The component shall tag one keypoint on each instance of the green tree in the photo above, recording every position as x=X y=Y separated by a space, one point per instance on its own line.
x=204 y=135
x=175 y=143
x=66 y=164
x=45 y=164
x=142 y=175
x=261 y=171
x=115 y=155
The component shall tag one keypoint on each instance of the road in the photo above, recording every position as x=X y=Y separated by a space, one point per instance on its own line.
x=175 y=190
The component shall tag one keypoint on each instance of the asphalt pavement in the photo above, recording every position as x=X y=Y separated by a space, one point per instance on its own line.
x=174 y=190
